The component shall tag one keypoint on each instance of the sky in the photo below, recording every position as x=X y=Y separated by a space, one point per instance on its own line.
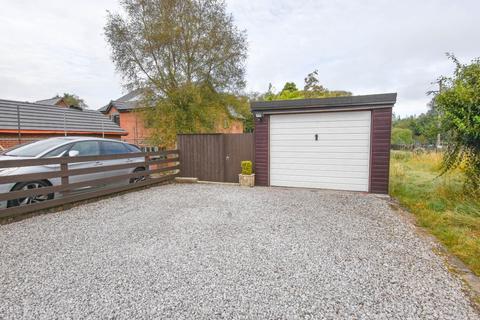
x=50 y=47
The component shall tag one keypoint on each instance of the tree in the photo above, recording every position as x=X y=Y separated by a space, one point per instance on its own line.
x=459 y=106
x=185 y=54
x=311 y=89
x=402 y=136
x=72 y=100
x=312 y=86
x=289 y=86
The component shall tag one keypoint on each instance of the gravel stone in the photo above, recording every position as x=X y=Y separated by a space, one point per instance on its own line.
x=207 y=251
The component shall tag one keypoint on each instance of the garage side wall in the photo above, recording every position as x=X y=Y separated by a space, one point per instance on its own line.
x=380 y=150
x=262 y=151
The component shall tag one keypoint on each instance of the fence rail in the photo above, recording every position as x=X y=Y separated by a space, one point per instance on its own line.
x=157 y=167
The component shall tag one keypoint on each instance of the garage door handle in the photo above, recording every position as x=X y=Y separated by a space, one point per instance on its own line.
x=316 y=136
x=227 y=158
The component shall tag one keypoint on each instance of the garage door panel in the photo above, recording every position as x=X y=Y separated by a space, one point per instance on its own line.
x=325 y=117
x=321 y=137
x=316 y=155
x=319 y=172
x=321 y=143
x=291 y=161
x=320 y=185
x=314 y=167
x=319 y=130
x=339 y=159
x=323 y=124
x=303 y=149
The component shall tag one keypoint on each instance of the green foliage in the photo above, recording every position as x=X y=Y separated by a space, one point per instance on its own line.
x=402 y=136
x=187 y=55
x=459 y=106
x=290 y=86
x=188 y=109
x=423 y=127
x=312 y=89
x=246 y=167
x=72 y=99
x=439 y=203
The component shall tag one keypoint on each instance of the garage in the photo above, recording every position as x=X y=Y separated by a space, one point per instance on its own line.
x=339 y=143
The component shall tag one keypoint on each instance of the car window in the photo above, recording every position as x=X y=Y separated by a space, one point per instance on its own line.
x=86 y=148
x=133 y=148
x=35 y=148
x=57 y=152
x=113 y=148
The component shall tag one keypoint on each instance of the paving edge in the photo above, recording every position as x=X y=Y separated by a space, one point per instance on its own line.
x=186 y=180
x=454 y=264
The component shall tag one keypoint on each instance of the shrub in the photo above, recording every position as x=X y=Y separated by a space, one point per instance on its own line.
x=246 y=167
x=459 y=107
x=402 y=136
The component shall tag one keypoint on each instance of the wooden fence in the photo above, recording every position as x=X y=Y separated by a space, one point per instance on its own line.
x=158 y=167
x=215 y=157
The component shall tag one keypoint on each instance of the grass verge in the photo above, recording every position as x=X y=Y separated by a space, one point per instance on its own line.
x=440 y=204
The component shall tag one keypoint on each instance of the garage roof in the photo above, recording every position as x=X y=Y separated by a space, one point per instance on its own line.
x=349 y=102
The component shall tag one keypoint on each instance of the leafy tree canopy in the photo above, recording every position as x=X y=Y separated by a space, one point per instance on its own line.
x=402 y=136
x=311 y=89
x=72 y=99
x=423 y=127
x=459 y=108
x=186 y=54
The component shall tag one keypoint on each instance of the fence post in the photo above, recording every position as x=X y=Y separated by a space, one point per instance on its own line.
x=64 y=178
x=19 y=131
x=147 y=166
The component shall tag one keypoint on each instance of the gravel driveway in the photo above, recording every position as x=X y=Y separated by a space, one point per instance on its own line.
x=202 y=251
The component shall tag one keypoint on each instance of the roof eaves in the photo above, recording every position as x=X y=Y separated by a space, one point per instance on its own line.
x=330 y=103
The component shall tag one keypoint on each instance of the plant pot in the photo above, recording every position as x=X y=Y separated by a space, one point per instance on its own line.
x=246 y=180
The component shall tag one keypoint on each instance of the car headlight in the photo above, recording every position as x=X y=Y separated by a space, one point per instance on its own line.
x=6 y=171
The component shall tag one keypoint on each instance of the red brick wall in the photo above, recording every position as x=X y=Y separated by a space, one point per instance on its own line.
x=133 y=123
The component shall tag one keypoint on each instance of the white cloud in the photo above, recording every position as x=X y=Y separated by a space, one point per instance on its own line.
x=373 y=46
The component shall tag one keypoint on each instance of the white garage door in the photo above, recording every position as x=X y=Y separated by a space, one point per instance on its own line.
x=328 y=150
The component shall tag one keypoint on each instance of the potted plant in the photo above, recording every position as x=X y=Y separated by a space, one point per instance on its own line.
x=246 y=178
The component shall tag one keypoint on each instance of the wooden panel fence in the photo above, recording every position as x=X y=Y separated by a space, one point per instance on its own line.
x=215 y=156
x=157 y=167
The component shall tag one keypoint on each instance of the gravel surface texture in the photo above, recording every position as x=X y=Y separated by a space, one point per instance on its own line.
x=185 y=251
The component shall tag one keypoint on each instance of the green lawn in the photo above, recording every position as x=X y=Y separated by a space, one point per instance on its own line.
x=440 y=204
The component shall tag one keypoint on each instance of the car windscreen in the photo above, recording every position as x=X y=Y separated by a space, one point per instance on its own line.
x=35 y=148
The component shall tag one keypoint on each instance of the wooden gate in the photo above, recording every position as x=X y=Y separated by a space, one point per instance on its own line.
x=214 y=157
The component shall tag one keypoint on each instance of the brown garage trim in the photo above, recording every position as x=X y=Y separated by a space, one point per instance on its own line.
x=262 y=151
x=381 y=127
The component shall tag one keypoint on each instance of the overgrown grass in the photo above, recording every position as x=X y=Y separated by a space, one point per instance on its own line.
x=440 y=204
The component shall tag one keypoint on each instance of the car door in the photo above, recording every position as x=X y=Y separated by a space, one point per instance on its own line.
x=85 y=148
x=115 y=148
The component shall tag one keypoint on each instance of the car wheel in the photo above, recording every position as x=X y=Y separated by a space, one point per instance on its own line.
x=138 y=179
x=32 y=199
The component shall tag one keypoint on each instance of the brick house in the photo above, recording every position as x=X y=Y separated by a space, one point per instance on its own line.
x=22 y=122
x=60 y=102
x=122 y=112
